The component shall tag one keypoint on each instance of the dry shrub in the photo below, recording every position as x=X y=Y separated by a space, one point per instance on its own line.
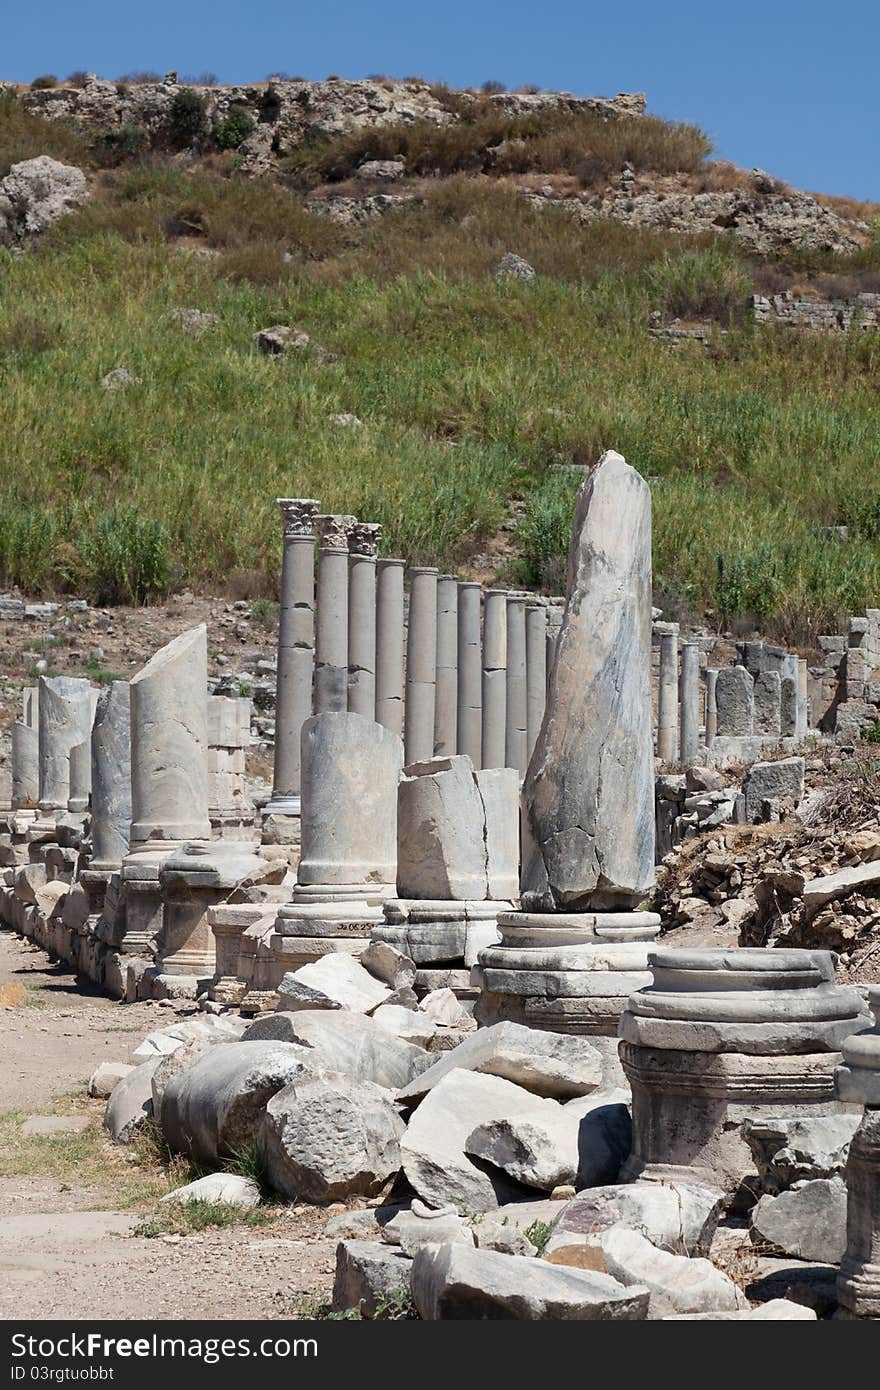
x=720 y=176
x=259 y=262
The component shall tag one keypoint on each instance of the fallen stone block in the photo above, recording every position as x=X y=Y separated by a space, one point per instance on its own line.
x=798 y=1148
x=433 y=1147
x=343 y=1042
x=336 y=981
x=423 y=1225
x=105 y=1076
x=582 y=1143
x=411 y=1025
x=676 y=1283
x=389 y=965
x=679 y=1217
x=860 y=878
x=329 y=1138
x=209 y=1027
x=230 y=1189
x=547 y=1064
x=808 y=1221
x=215 y=1106
x=130 y=1106
x=777 y=1310
x=444 y=1007
x=454 y=1282
x=369 y=1276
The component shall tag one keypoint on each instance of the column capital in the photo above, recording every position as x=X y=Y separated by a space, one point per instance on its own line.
x=363 y=539
x=334 y=529
x=298 y=516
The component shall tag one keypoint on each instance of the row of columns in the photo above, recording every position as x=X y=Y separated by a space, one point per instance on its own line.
x=782 y=709
x=464 y=674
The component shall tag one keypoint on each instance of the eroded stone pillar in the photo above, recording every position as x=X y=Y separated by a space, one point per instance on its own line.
x=470 y=678
x=363 y=547
x=25 y=766
x=711 y=706
x=569 y=960
x=803 y=698
x=767 y=704
x=735 y=702
x=446 y=687
x=689 y=703
x=421 y=665
x=516 y=709
x=110 y=752
x=351 y=767
x=858 y=1082
x=230 y=809
x=667 y=697
x=65 y=720
x=536 y=672
x=721 y=1036
x=296 y=651
x=331 y=624
x=457 y=868
x=389 y=645
x=80 y=778
x=494 y=677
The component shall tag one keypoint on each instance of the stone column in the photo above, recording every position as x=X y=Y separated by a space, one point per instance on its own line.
x=689 y=698
x=65 y=719
x=363 y=546
x=169 y=777
x=721 y=1036
x=803 y=698
x=735 y=702
x=421 y=665
x=389 y=645
x=711 y=706
x=296 y=655
x=470 y=680
x=457 y=868
x=331 y=626
x=25 y=766
x=767 y=704
x=858 y=1082
x=494 y=677
x=569 y=960
x=111 y=777
x=516 y=711
x=446 y=696
x=536 y=672
x=80 y=778
x=169 y=741
x=351 y=767
x=667 y=697
x=788 y=698
x=230 y=809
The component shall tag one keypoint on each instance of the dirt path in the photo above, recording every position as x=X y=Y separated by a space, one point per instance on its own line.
x=65 y=1246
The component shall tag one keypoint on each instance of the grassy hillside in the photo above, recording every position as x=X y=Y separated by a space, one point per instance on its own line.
x=471 y=393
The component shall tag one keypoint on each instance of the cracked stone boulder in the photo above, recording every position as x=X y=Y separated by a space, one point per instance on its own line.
x=329 y=1138
x=130 y=1106
x=215 y=1105
x=369 y=1275
x=588 y=797
x=807 y=1221
x=335 y=981
x=455 y=1281
x=676 y=1283
x=548 y=1064
x=348 y=1043
x=433 y=1148
x=581 y=1144
x=678 y=1217
x=798 y=1148
x=36 y=192
x=457 y=831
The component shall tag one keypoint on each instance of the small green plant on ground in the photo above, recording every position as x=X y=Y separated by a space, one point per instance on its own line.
x=187 y=1218
x=539 y=1234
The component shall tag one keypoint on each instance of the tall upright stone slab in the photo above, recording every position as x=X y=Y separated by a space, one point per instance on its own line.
x=230 y=809
x=111 y=778
x=25 y=766
x=65 y=720
x=567 y=961
x=169 y=776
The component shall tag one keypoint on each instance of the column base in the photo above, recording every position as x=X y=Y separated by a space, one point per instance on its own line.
x=565 y=972
x=444 y=938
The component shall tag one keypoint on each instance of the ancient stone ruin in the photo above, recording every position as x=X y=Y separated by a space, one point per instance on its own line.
x=422 y=978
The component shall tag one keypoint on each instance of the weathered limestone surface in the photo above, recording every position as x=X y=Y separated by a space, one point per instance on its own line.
x=363 y=544
x=25 y=766
x=65 y=719
x=724 y=1036
x=858 y=1081
x=589 y=792
x=296 y=641
x=169 y=739
x=111 y=777
x=351 y=767
x=734 y=702
x=457 y=831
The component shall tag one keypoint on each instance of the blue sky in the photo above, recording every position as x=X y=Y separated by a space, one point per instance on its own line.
x=791 y=87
